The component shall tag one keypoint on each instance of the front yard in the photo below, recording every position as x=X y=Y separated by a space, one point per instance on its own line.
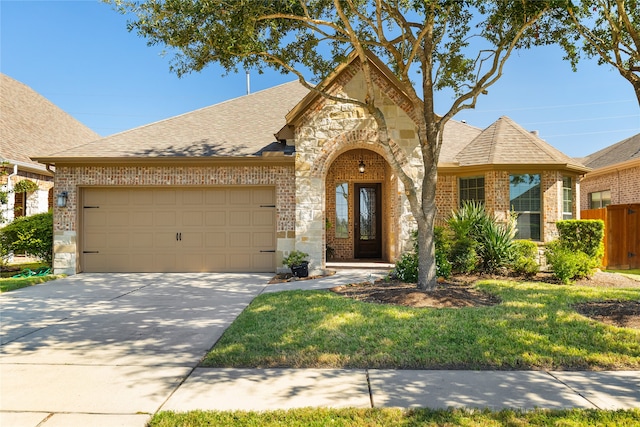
x=535 y=326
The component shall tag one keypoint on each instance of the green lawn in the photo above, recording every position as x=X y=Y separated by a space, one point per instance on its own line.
x=10 y=284
x=534 y=327
x=321 y=417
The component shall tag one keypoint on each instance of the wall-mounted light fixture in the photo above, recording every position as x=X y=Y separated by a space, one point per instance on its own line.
x=361 y=166
x=62 y=199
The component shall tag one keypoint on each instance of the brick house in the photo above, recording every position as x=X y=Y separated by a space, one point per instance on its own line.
x=236 y=186
x=614 y=177
x=31 y=125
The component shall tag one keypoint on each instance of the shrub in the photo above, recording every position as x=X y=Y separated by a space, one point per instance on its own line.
x=584 y=235
x=567 y=264
x=494 y=247
x=295 y=258
x=32 y=235
x=406 y=268
x=463 y=255
x=523 y=259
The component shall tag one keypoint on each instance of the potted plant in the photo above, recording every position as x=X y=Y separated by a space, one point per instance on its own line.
x=298 y=263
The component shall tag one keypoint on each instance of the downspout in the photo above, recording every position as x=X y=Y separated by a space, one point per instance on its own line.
x=9 y=182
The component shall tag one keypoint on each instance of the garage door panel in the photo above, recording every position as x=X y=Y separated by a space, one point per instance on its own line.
x=142 y=240
x=239 y=218
x=179 y=229
x=165 y=218
x=263 y=218
x=142 y=219
x=215 y=218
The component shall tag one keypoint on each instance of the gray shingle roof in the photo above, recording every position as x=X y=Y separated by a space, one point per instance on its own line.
x=627 y=149
x=457 y=135
x=30 y=125
x=507 y=143
x=239 y=127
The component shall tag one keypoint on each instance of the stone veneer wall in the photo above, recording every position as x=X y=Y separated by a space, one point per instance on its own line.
x=72 y=178
x=623 y=185
x=328 y=129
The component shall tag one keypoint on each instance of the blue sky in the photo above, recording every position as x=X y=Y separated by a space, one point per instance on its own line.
x=80 y=56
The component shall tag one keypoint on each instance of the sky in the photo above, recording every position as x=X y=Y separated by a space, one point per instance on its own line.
x=79 y=55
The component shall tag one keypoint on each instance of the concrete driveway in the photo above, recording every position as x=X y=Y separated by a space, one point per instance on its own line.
x=78 y=351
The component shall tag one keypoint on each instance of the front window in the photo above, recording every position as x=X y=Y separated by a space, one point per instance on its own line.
x=342 y=210
x=472 y=189
x=567 y=198
x=526 y=201
x=599 y=199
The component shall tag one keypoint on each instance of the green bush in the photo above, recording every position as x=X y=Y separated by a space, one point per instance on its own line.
x=295 y=258
x=406 y=268
x=584 y=235
x=480 y=241
x=567 y=264
x=523 y=258
x=32 y=235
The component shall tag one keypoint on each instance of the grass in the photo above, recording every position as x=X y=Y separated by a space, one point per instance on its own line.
x=398 y=417
x=534 y=327
x=10 y=284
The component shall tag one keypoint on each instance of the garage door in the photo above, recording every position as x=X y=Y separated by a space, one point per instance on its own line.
x=221 y=229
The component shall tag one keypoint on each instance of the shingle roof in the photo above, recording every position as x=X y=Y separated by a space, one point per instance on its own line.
x=241 y=127
x=457 y=135
x=30 y=125
x=506 y=143
x=627 y=149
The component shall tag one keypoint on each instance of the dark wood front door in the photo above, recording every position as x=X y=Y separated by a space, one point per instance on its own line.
x=368 y=221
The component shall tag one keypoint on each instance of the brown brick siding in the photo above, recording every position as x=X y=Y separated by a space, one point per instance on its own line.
x=624 y=186
x=69 y=178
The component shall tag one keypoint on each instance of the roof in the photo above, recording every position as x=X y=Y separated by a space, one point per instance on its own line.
x=623 y=151
x=457 y=135
x=30 y=125
x=507 y=143
x=241 y=127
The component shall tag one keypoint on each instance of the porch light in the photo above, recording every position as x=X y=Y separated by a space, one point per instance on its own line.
x=62 y=199
x=361 y=166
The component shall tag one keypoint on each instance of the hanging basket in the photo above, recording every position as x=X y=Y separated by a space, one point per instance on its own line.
x=25 y=186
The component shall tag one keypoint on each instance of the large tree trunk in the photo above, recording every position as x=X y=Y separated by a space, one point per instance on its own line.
x=427 y=278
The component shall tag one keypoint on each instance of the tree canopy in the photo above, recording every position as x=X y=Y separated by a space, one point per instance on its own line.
x=610 y=30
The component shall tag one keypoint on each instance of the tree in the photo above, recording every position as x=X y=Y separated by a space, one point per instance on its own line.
x=610 y=30
x=460 y=46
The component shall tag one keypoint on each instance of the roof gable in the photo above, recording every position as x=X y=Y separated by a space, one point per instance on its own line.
x=240 y=127
x=623 y=151
x=32 y=126
x=506 y=143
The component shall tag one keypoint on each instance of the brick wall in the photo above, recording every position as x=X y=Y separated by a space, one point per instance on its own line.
x=623 y=185
x=72 y=178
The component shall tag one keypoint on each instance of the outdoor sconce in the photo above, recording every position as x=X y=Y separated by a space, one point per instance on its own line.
x=361 y=166
x=62 y=199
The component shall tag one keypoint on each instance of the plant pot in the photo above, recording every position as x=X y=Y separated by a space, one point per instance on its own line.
x=301 y=270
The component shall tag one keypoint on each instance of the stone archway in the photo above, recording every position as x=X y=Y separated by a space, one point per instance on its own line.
x=345 y=222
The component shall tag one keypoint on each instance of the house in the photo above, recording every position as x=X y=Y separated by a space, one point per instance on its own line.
x=238 y=185
x=31 y=125
x=614 y=177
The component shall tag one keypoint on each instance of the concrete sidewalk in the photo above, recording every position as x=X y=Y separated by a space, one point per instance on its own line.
x=265 y=389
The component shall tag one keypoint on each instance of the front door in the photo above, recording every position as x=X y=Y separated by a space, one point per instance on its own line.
x=368 y=224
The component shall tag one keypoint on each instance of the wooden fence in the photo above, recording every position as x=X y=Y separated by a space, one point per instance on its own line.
x=621 y=234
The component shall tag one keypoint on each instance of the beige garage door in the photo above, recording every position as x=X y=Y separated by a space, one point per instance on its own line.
x=221 y=229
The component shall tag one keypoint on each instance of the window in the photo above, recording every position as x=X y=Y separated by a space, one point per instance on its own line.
x=526 y=202
x=567 y=197
x=19 y=204
x=599 y=199
x=472 y=189
x=342 y=210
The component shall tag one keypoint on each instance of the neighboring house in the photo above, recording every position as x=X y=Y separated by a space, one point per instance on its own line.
x=615 y=175
x=30 y=125
x=216 y=190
